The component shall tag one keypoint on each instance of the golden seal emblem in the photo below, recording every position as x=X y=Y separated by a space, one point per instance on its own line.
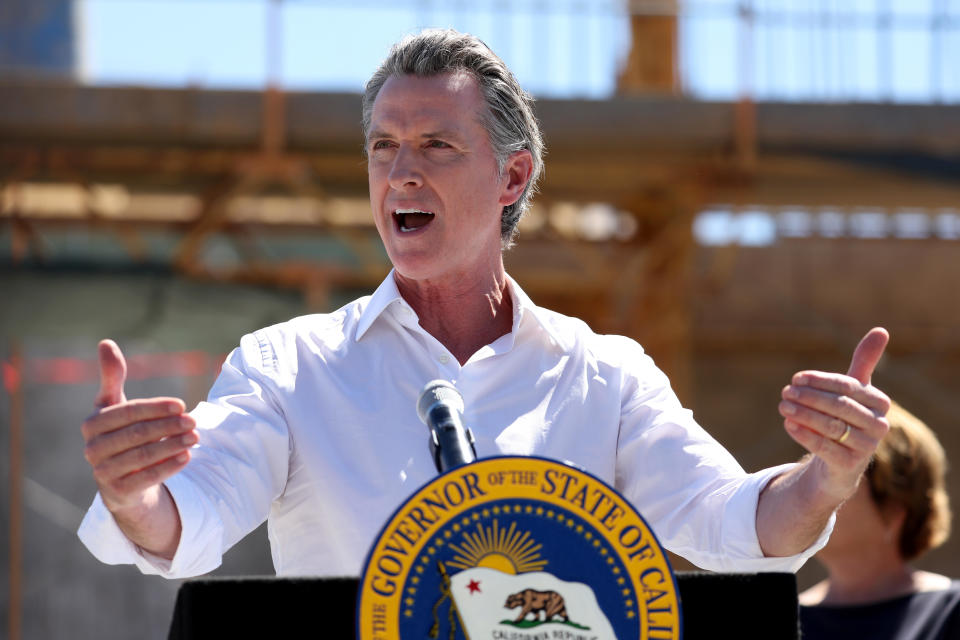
x=517 y=548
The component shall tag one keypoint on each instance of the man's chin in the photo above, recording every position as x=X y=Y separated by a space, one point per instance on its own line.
x=415 y=267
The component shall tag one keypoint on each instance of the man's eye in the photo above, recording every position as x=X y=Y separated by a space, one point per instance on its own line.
x=438 y=144
x=380 y=144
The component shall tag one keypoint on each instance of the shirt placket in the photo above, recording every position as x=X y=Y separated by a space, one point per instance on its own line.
x=447 y=366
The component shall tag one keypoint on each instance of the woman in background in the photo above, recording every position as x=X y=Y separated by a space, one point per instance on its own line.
x=900 y=511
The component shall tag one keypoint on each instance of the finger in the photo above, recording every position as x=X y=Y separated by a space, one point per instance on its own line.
x=867 y=354
x=111 y=443
x=113 y=373
x=142 y=457
x=809 y=383
x=145 y=478
x=130 y=412
x=836 y=455
x=837 y=406
x=835 y=429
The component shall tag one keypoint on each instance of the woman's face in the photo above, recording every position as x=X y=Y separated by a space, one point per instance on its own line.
x=861 y=526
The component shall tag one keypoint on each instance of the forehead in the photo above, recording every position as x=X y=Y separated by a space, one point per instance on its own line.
x=445 y=101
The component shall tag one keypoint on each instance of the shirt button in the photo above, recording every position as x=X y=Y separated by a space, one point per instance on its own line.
x=444 y=359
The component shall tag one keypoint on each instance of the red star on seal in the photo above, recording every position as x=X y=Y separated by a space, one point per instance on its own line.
x=474 y=586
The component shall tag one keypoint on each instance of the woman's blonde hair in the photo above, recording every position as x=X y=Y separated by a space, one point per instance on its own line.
x=909 y=470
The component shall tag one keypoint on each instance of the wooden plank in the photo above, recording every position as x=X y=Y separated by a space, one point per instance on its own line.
x=641 y=125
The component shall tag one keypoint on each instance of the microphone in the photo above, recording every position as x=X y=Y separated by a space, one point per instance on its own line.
x=440 y=407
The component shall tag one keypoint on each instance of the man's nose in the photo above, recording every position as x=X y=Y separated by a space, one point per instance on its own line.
x=405 y=171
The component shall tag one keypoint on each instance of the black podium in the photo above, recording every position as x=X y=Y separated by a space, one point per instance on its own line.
x=742 y=606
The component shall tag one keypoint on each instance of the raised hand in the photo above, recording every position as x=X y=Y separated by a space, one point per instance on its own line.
x=133 y=445
x=840 y=418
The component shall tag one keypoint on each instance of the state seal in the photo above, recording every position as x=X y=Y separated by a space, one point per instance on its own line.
x=517 y=548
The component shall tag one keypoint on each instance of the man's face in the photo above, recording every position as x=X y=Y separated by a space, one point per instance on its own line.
x=435 y=190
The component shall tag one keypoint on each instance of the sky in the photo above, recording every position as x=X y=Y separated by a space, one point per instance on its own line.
x=795 y=49
x=223 y=43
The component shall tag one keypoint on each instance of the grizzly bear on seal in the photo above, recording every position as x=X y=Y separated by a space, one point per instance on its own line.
x=535 y=602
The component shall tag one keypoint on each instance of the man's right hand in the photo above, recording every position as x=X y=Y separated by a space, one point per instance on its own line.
x=133 y=446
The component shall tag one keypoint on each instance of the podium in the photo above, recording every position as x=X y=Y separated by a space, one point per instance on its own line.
x=742 y=606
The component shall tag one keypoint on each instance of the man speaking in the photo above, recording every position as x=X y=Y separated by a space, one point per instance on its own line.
x=312 y=423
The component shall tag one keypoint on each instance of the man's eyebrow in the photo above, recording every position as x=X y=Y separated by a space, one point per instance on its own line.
x=444 y=134
x=449 y=134
x=378 y=133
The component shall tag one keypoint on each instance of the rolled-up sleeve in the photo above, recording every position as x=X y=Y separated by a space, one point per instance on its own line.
x=238 y=467
x=740 y=529
x=697 y=498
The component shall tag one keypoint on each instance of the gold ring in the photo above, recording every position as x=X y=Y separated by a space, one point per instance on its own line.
x=846 y=434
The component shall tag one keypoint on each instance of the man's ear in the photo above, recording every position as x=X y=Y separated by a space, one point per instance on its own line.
x=517 y=172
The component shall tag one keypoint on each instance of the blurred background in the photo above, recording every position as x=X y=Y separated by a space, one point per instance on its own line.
x=745 y=187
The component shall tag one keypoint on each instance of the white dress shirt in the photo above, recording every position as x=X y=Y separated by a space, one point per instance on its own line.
x=312 y=425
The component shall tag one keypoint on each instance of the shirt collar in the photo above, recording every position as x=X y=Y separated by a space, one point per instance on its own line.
x=385 y=295
x=523 y=304
x=388 y=293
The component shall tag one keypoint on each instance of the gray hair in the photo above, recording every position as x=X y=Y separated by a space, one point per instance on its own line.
x=509 y=120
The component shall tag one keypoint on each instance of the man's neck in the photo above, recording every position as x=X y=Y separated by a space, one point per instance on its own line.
x=462 y=313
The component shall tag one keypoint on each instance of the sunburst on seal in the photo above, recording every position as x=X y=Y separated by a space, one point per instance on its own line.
x=508 y=551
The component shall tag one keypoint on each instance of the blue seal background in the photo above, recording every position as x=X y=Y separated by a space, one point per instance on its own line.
x=569 y=554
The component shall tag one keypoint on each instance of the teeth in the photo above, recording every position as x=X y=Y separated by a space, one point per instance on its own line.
x=401 y=214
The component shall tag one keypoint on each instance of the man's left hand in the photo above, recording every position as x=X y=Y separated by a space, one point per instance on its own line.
x=839 y=418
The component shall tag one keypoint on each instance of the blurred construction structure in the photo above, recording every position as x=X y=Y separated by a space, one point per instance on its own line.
x=738 y=240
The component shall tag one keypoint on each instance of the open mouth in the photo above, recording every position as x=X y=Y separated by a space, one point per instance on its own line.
x=411 y=219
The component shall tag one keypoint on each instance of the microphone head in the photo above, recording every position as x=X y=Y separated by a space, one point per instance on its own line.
x=438 y=391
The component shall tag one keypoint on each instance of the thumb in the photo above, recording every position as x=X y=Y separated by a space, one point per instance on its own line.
x=867 y=354
x=113 y=373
